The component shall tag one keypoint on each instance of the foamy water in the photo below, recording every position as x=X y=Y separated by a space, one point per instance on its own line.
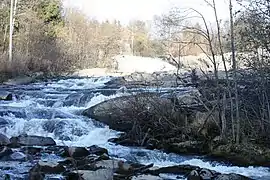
x=41 y=112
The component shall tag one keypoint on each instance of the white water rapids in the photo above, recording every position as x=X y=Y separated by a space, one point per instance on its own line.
x=53 y=109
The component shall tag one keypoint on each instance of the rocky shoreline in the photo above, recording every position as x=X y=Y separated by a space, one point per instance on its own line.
x=89 y=163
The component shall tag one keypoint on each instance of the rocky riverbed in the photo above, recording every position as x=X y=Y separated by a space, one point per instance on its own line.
x=45 y=136
x=42 y=159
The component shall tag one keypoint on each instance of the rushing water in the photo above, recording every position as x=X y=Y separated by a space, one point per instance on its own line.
x=53 y=109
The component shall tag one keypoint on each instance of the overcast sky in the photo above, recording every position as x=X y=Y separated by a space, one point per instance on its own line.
x=126 y=10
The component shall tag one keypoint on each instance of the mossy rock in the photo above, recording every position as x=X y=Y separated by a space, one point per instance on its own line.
x=243 y=154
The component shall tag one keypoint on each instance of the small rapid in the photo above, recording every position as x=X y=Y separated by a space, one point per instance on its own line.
x=54 y=110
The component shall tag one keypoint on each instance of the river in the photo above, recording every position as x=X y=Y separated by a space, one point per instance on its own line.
x=53 y=109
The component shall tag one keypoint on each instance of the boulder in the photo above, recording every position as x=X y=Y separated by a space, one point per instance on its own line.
x=58 y=150
x=158 y=119
x=103 y=157
x=206 y=174
x=78 y=99
x=100 y=174
x=231 y=177
x=97 y=150
x=108 y=164
x=146 y=177
x=125 y=141
x=243 y=154
x=48 y=168
x=85 y=99
x=5 y=151
x=25 y=140
x=4 y=140
x=120 y=113
x=115 y=83
x=3 y=122
x=180 y=169
x=125 y=168
x=34 y=175
x=194 y=175
x=90 y=167
x=9 y=97
x=31 y=150
x=3 y=94
x=76 y=152
x=86 y=163
x=18 y=156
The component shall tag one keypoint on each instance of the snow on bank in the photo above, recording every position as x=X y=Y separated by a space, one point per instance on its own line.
x=127 y=64
x=130 y=64
x=203 y=62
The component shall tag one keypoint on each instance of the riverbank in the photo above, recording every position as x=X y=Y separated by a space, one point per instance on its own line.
x=174 y=121
x=153 y=122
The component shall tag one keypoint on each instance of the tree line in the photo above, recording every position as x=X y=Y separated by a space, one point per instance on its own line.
x=48 y=38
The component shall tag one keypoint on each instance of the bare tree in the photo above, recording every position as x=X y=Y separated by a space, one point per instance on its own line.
x=235 y=76
x=177 y=24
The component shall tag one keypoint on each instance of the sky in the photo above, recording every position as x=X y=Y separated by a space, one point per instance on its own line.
x=126 y=10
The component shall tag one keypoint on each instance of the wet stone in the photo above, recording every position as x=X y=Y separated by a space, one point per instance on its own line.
x=54 y=177
x=18 y=156
x=31 y=150
x=4 y=140
x=146 y=177
x=9 y=97
x=25 y=140
x=3 y=122
x=76 y=152
x=48 y=167
x=108 y=164
x=5 y=151
x=97 y=150
x=101 y=174
x=103 y=157
x=58 y=150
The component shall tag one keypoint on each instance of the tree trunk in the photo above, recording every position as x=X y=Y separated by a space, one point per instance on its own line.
x=235 y=76
x=5 y=38
x=219 y=40
x=11 y=30
x=222 y=110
